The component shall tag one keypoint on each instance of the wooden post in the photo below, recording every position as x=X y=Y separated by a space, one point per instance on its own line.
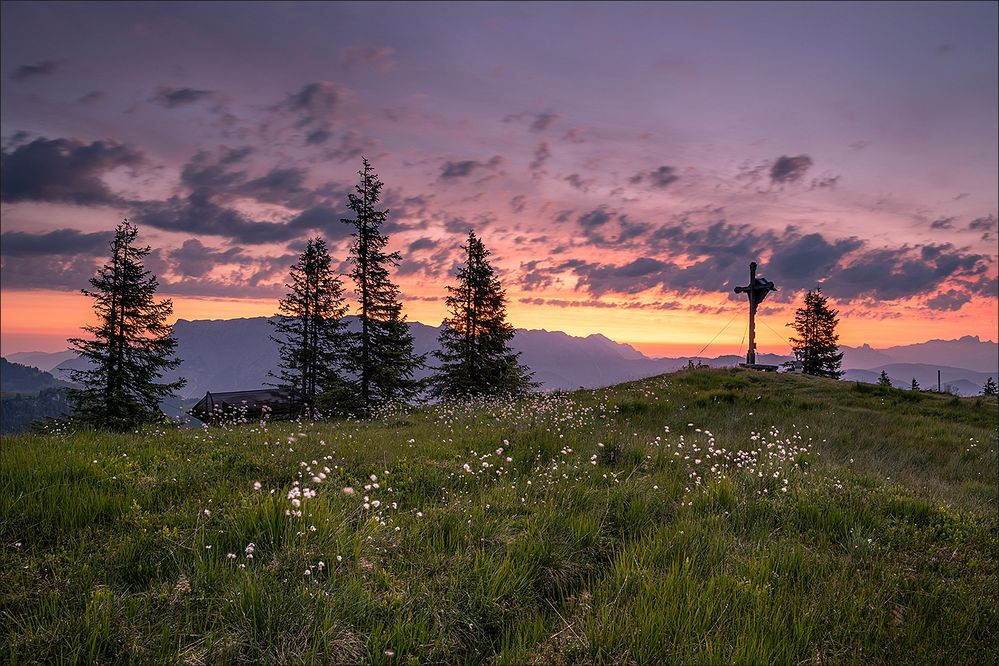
x=939 y=388
x=756 y=290
x=751 y=352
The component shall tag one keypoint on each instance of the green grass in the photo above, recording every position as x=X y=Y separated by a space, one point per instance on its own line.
x=711 y=516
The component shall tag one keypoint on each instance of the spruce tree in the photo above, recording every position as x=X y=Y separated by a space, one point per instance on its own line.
x=915 y=385
x=132 y=343
x=884 y=379
x=475 y=353
x=311 y=331
x=381 y=357
x=990 y=387
x=816 y=345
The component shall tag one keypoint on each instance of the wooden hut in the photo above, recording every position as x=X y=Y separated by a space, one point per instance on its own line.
x=247 y=405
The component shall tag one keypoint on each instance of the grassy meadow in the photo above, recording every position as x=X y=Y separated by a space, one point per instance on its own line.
x=709 y=516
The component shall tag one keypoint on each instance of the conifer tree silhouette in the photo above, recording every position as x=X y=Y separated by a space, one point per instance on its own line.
x=381 y=356
x=475 y=353
x=132 y=343
x=310 y=331
x=816 y=345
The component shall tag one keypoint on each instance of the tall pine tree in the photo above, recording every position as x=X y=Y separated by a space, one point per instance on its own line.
x=311 y=331
x=816 y=345
x=475 y=353
x=132 y=343
x=381 y=355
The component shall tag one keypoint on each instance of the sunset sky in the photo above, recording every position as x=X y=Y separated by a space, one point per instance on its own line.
x=623 y=162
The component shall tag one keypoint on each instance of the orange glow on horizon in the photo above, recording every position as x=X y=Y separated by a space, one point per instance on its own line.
x=42 y=320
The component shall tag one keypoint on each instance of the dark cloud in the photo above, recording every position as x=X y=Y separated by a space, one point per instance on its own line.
x=714 y=257
x=210 y=175
x=174 y=97
x=315 y=103
x=533 y=276
x=630 y=229
x=629 y=305
x=193 y=259
x=197 y=214
x=92 y=97
x=43 y=68
x=518 y=203
x=63 y=171
x=66 y=242
x=948 y=301
x=217 y=178
x=594 y=218
x=457 y=225
x=824 y=183
x=71 y=272
x=598 y=227
x=324 y=218
x=379 y=58
x=562 y=216
x=889 y=274
x=436 y=265
x=943 y=223
x=452 y=170
x=541 y=155
x=663 y=177
x=986 y=225
x=424 y=243
x=318 y=136
x=284 y=186
x=578 y=182
x=803 y=260
x=574 y=135
x=630 y=278
x=543 y=121
x=350 y=147
x=660 y=178
x=235 y=155
x=790 y=169
x=536 y=122
x=985 y=286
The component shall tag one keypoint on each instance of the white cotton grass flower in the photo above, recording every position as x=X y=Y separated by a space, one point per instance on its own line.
x=348 y=491
x=257 y=485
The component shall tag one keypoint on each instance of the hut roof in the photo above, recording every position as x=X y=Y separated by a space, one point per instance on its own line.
x=252 y=404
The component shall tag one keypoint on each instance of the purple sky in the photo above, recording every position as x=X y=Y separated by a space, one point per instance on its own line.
x=623 y=161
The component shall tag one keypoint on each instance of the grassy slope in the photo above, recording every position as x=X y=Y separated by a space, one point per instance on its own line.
x=672 y=546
